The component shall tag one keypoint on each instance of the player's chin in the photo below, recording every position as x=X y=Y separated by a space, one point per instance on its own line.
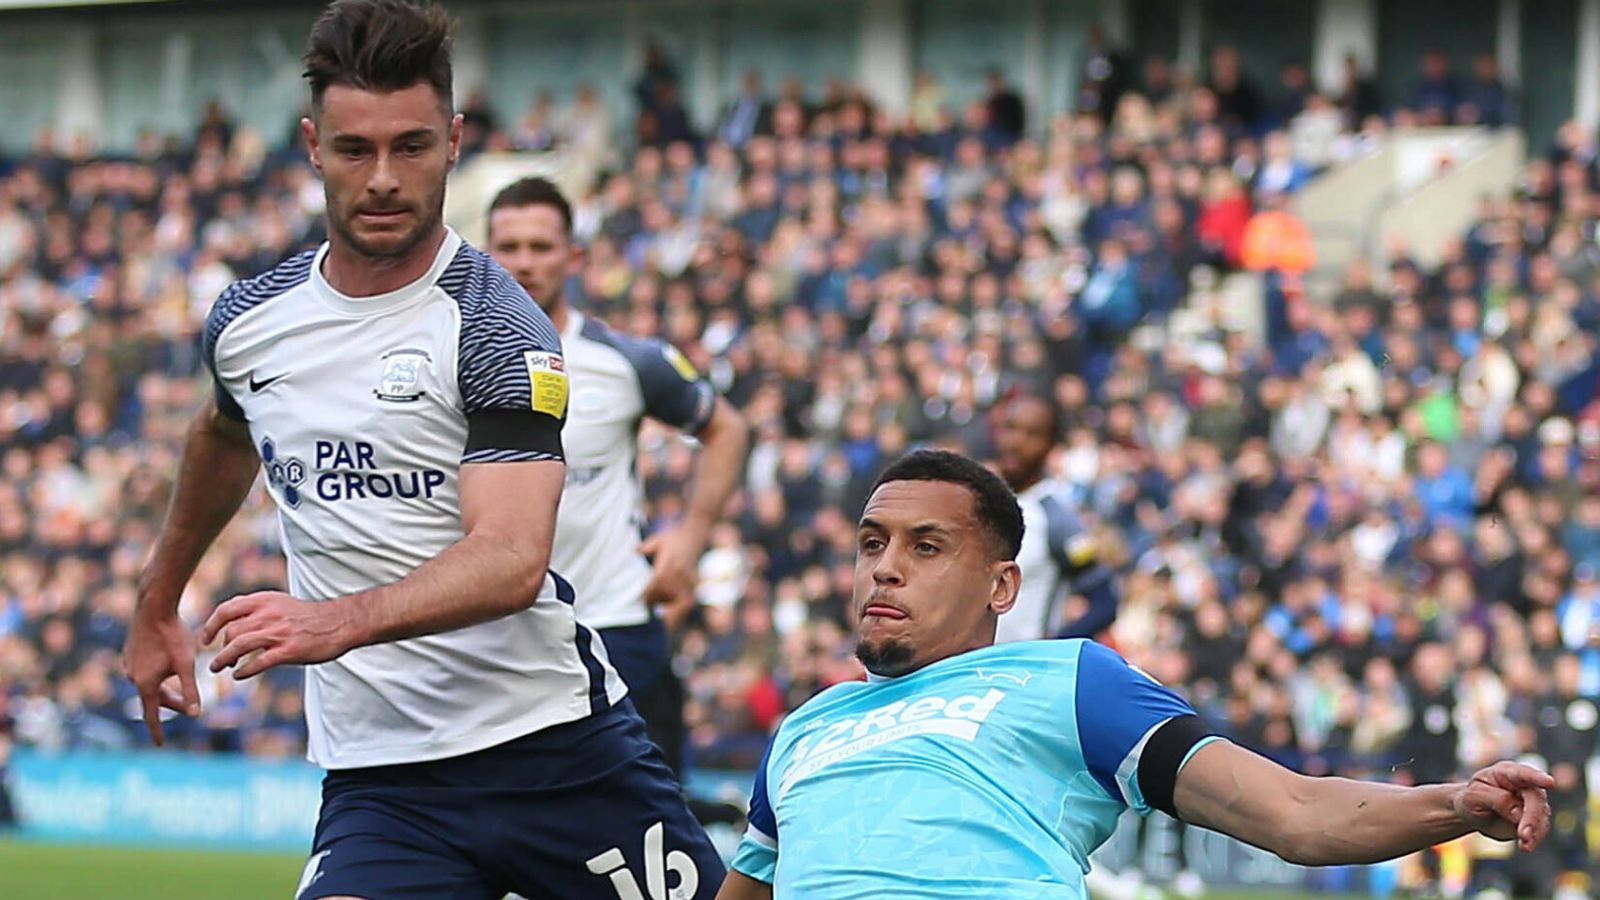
x=385 y=238
x=885 y=656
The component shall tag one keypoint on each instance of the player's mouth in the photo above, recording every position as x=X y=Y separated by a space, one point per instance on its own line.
x=882 y=611
x=382 y=216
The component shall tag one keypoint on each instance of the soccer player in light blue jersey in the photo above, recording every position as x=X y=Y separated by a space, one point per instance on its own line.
x=962 y=769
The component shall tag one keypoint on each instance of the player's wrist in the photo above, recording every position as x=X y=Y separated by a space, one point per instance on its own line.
x=1458 y=815
x=351 y=622
x=695 y=529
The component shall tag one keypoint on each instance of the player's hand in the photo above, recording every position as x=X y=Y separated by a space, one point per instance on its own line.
x=1506 y=801
x=271 y=628
x=159 y=652
x=675 y=563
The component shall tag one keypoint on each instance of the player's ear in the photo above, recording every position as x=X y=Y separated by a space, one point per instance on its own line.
x=308 y=131
x=1007 y=581
x=455 y=138
x=576 y=260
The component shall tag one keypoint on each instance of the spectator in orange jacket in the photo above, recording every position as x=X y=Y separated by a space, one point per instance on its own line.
x=1276 y=239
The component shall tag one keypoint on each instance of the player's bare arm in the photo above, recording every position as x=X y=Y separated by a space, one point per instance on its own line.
x=675 y=553
x=739 y=886
x=219 y=466
x=508 y=514
x=1334 y=821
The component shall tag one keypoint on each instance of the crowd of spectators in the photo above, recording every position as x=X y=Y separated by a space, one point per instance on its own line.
x=1366 y=540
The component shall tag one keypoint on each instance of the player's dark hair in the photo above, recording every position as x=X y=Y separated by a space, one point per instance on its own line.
x=379 y=45
x=996 y=506
x=534 y=192
x=1057 y=424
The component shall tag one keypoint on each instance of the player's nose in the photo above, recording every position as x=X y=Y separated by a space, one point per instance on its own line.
x=383 y=180
x=887 y=571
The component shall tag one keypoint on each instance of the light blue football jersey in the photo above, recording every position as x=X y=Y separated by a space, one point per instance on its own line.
x=990 y=774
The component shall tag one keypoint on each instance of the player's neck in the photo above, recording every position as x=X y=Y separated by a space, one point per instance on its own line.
x=356 y=275
x=559 y=317
x=1027 y=483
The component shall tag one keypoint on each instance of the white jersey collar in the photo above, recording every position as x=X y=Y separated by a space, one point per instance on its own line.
x=359 y=306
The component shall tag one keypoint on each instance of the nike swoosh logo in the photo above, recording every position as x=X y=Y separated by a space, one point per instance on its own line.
x=258 y=386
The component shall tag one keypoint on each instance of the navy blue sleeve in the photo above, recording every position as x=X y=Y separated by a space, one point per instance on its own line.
x=757 y=856
x=1077 y=557
x=674 y=392
x=761 y=816
x=1119 y=710
x=236 y=300
x=222 y=312
x=513 y=378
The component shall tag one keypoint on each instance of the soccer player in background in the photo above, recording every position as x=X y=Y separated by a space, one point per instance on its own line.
x=965 y=769
x=406 y=398
x=617 y=381
x=1065 y=591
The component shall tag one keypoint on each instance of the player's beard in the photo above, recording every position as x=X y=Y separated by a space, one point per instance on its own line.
x=429 y=214
x=888 y=658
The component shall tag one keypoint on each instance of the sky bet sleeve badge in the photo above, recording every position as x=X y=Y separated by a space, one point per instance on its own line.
x=547 y=382
x=402 y=369
x=680 y=362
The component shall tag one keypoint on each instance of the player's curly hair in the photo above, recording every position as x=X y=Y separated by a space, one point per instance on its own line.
x=379 y=45
x=994 y=503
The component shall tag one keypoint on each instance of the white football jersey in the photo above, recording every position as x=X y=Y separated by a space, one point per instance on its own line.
x=616 y=381
x=1041 y=578
x=364 y=410
x=1057 y=556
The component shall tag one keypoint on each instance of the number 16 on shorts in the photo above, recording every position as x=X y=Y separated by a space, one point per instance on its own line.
x=657 y=865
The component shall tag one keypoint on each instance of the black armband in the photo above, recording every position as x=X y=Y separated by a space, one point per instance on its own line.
x=1163 y=755
x=515 y=430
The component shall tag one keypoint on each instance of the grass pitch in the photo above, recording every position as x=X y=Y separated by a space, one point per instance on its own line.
x=38 y=871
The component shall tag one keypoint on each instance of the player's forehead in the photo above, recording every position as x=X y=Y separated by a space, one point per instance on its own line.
x=526 y=222
x=379 y=116
x=920 y=505
x=1028 y=413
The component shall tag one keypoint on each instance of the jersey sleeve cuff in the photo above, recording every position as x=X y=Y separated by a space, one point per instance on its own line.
x=227 y=405
x=757 y=857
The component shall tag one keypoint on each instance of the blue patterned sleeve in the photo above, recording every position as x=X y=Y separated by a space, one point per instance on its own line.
x=513 y=378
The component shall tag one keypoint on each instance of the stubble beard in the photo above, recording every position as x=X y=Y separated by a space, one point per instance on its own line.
x=889 y=658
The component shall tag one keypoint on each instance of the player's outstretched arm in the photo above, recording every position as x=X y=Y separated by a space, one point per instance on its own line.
x=219 y=466
x=739 y=886
x=508 y=513
x=675 y=554
x=1337 y=821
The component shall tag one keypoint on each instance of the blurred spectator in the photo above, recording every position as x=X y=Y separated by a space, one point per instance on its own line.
x=1239 y=104
x=748 y=115
x=1358 y=95
x=1484 y=99
x=1105 y=76
x=1007 y=114
x=1437 y=92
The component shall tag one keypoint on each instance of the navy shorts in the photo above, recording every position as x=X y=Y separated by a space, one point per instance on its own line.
x=581 y=811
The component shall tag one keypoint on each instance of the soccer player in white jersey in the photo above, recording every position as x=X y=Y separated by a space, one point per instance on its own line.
x=406 y=398
x=1065 y=591
x=965 y=769
x=617 y=381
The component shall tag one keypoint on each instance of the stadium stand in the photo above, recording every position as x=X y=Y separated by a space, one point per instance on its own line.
x=1368 y=543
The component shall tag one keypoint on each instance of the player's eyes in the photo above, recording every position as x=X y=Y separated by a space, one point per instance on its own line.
x=871 y=545
x=927 y=549
x=413 y=149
